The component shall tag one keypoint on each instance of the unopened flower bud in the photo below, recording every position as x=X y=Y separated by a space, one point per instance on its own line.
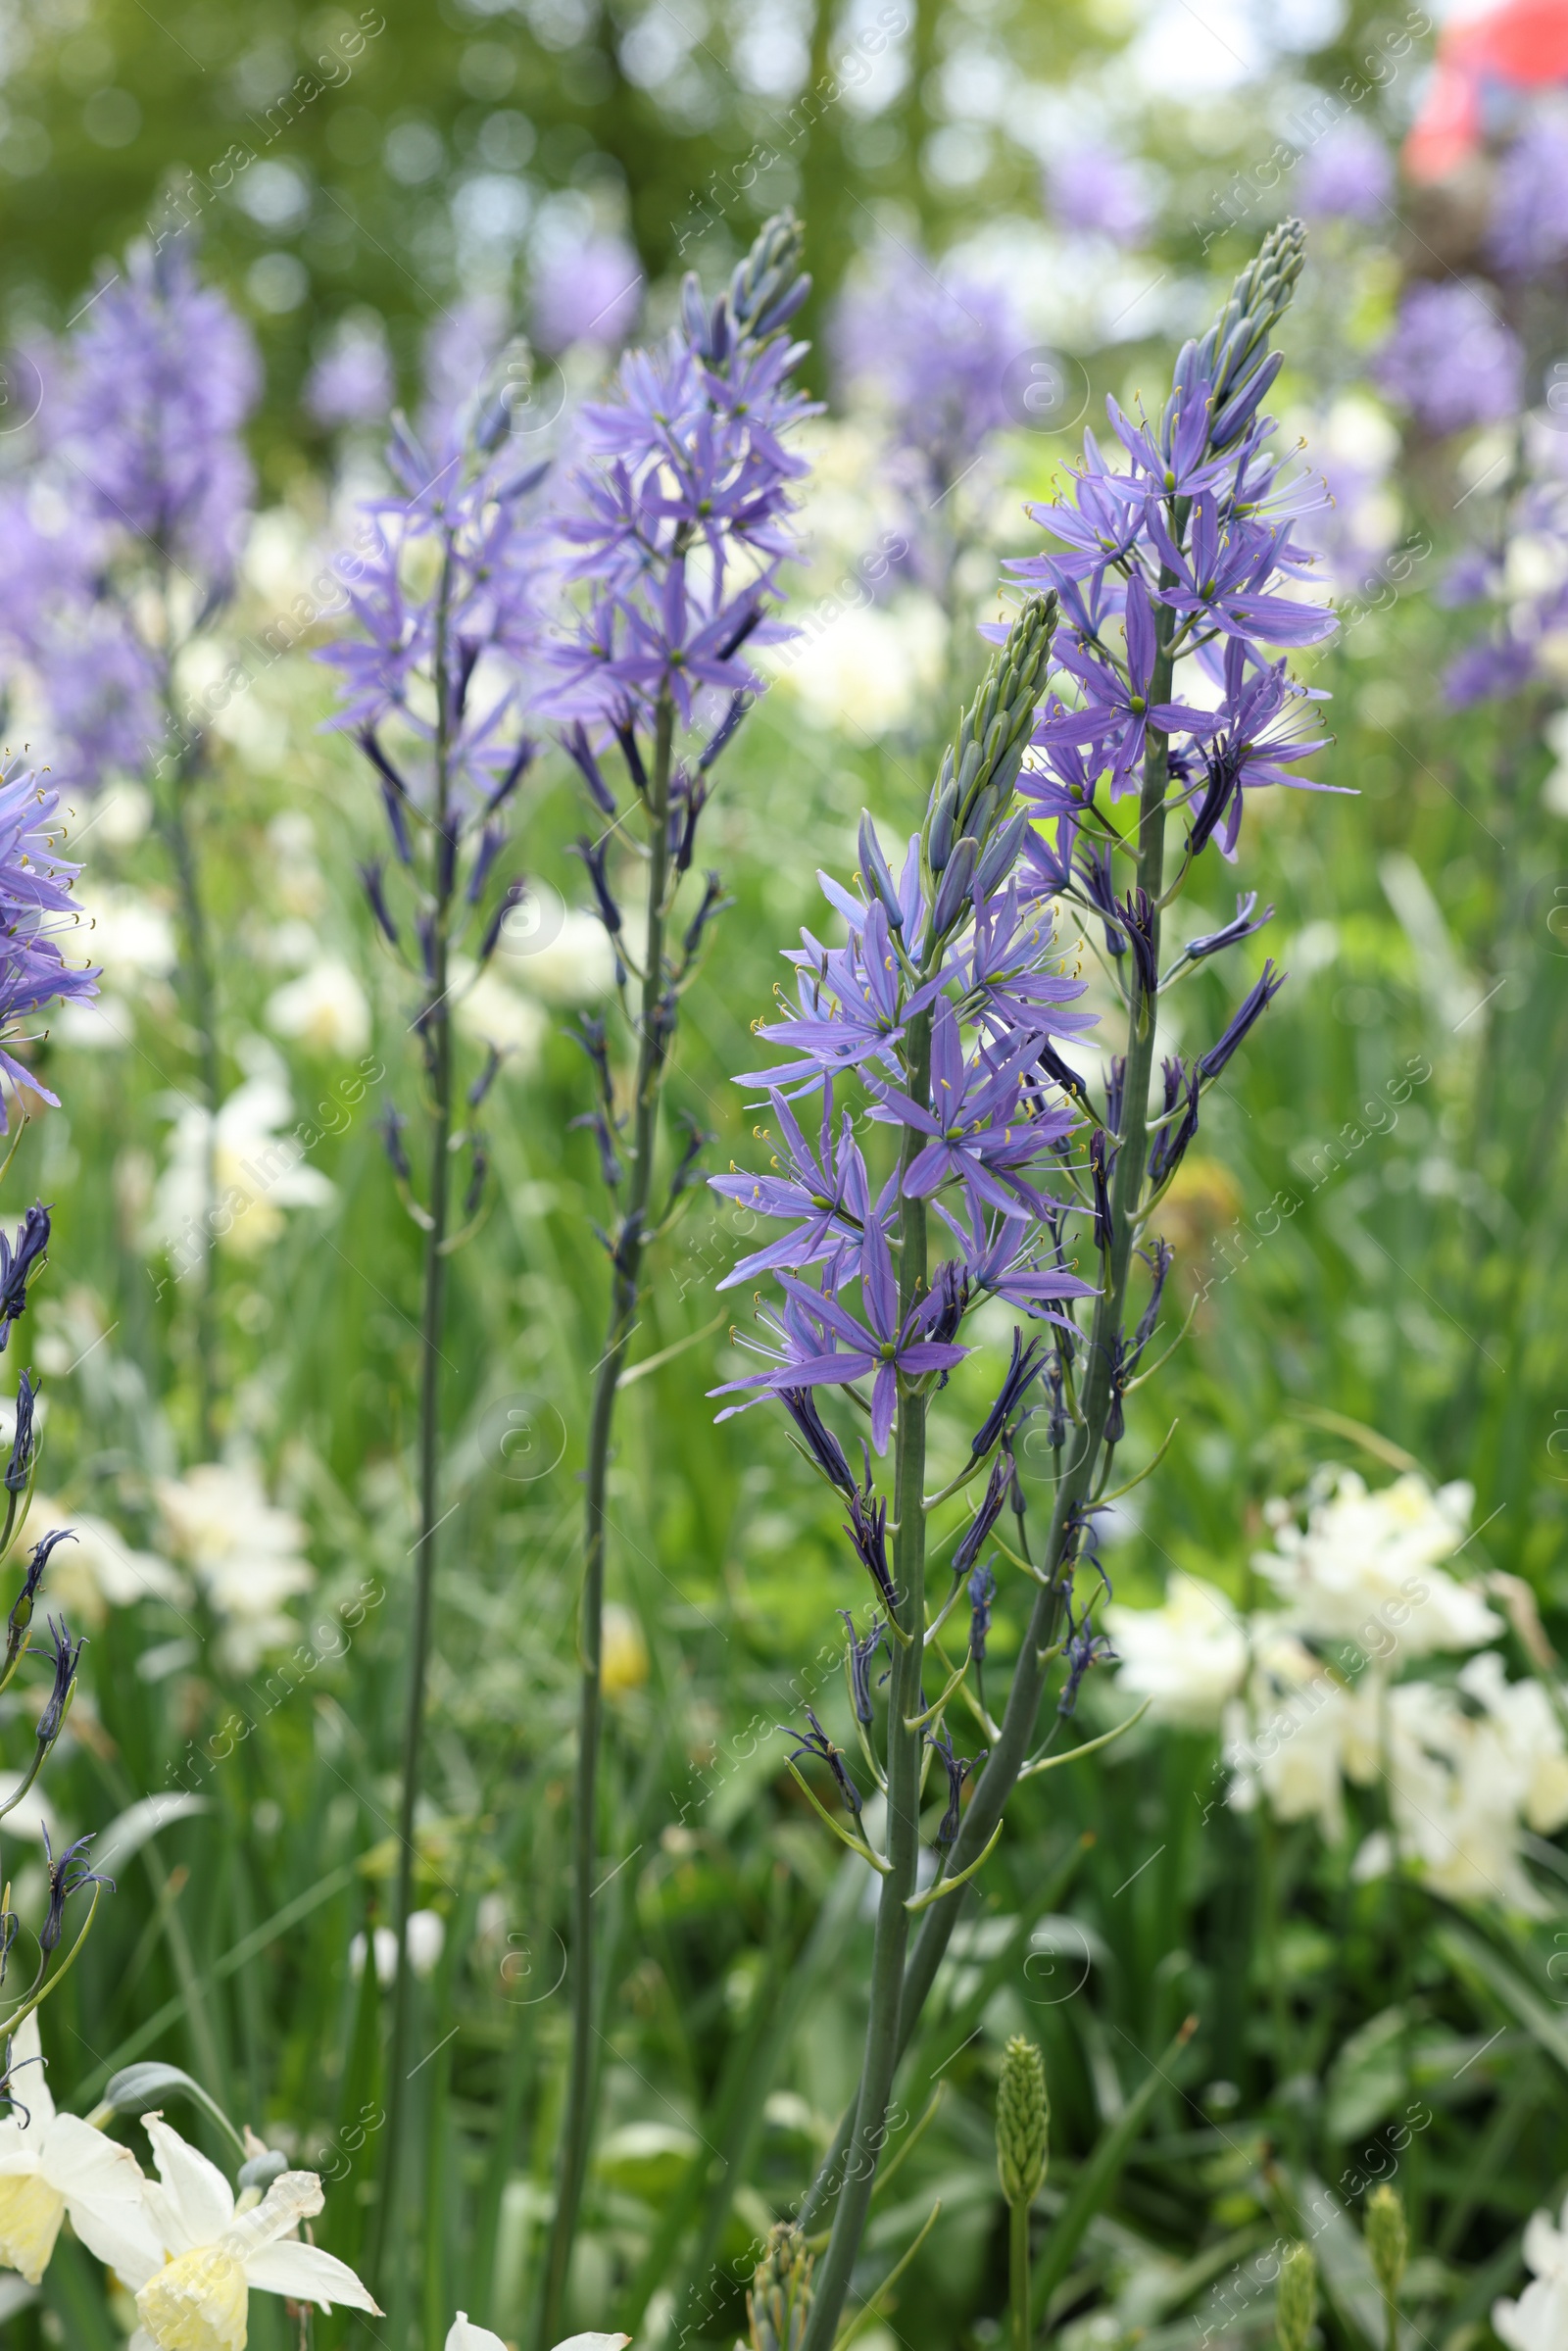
x=1023 y=2122
x=1295 y=2300
x=780 y=2301
x=1387 y=2239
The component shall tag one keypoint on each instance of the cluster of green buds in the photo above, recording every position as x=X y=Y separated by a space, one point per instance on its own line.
x=779 y=2300
x=1023 y=2122
x=980 y=768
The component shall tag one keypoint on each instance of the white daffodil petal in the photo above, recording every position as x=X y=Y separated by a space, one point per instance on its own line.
x=102 y=2186
x=594 y=2342
x=195 y=2204
x=81 y=2161
x=463 y=2336
x=308 y=2275
x=293 y=2196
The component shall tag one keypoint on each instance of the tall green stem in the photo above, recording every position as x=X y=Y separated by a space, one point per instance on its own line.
x=1018 y=2276
x=625 y=1292
x=905 y=1703
x=174 y=826
x=387 y=2264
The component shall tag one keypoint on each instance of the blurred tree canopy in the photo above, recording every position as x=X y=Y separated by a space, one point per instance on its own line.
x=395 y=156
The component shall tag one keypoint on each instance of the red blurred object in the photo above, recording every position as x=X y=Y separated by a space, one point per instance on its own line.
x=1484 y=65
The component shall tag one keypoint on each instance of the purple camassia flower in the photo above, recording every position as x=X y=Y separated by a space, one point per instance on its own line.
x=827 y=1347
x=35 y=906
x=1116 y=712
x=1094 y=191
x=1210 y=476
x=973 y=950
x=352 y=381
x=852 y=1007
x=1347 y=175
x=828 y=1189
x=157 y=384
x=99 y=683
x=675 y=519
x=1451 y=359
x=984 y=1123
x=459 y=348
x=1486 y=670
x=933 y=348
x=1528 y=234
x=590 y=295
x=489 y=626
x=102 y=688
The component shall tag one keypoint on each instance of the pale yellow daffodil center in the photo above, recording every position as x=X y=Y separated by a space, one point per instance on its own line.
x=30 y=2213
x=197 y=2302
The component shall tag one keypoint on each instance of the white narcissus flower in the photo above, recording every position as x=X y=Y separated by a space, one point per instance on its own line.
x=1538 y=2320
x=1188 y=1658
x=248 y=1557
x=463 y=2336
x=325 y=1009
x=198 y=2298
x=1365 y=1569
x=52 y=2164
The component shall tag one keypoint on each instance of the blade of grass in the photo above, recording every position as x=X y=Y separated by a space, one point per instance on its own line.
x=1099 y=2177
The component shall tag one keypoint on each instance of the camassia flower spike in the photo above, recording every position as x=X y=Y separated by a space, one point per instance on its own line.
x=949 y=1015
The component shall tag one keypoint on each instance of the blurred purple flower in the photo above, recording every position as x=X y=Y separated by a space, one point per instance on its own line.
x=1451 y=359
x=102 y=689
x=1486 y=670
x=1094 y=191
x=1528 y=234
x=352 y=381
x=933 y=347
x=1347 y=175
x=591 y=295
x=157 y=384
x=459 y=347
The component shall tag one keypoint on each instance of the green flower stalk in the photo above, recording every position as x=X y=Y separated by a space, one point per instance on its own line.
x=1023 y=2145
x=434 y=719
x=695 y=582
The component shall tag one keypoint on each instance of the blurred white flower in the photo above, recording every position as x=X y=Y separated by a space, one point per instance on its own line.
x=99 y=1570
x=325 y=1009
x=246 y=1556
x=297 y=878
x=53 y=2164
x=1189 y=1657
x=1538 y=2320
x=198 y=2298
x=134 y=942
x=490 y=1011
x=463 y=2336
x=1364 y=1567
x=1460 y=1782
x=555 y=951
x=426 y=1941
x=257 y=1169
x=865 y=670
